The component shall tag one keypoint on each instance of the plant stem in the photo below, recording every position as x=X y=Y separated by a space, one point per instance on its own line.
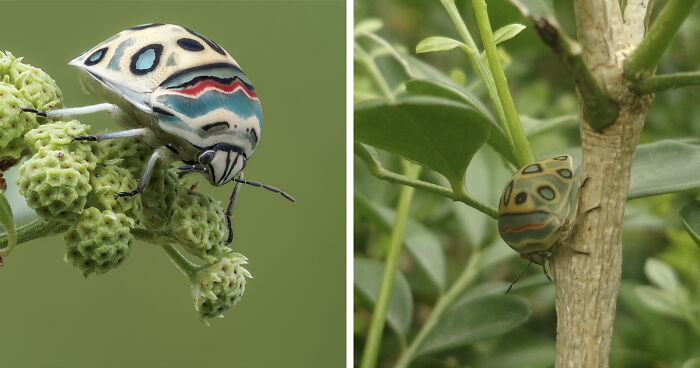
x=465 y=279
x=374 y=71
x=8 y=223
x=371 y=351
x=520 y=143
x=37 y=228
x=185 y=265
x=646 y=57
x=668 y=81
x=376 y=169
x=478 y=64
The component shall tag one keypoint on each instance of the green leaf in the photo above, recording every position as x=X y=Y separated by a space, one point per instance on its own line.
x=692 y=363
x=368 y=279
x=690 y=216
x=662 y=275
x=474 y=320
x=666 y=166
x=497 y=139
x=438 y=43
x=660 y=301
x=371 y=25
x=423 y=245
x=7 y=221
x=535 y=126
x=505 y=33
x=437 y=133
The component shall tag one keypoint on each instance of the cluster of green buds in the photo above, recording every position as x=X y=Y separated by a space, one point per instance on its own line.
x=72 y=186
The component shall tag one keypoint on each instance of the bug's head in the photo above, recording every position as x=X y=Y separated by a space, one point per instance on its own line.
x=221 y=163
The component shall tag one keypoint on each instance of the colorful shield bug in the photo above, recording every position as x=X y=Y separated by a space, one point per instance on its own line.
x=176 y=85
x=538 y=207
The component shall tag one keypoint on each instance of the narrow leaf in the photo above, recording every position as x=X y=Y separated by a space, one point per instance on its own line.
x=438 y=43
x=437 y=133
x=660 y=301
x=662 y=275
x=368 y=279
x=423 y=244
x=690 y=216
x=666 y=166
x=371 y=25
x=505 y=33
x=474 y=320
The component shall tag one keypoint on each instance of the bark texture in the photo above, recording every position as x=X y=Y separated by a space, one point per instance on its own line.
x=587 y=285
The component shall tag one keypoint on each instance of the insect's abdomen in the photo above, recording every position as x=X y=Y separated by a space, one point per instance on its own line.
x=209 y=105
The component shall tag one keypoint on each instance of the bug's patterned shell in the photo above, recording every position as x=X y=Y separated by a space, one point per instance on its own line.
x=196 y=90
x=537 y=204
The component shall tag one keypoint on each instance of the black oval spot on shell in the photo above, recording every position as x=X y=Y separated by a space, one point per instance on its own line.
x=565 y=173
x=561 y=158
x=209 y=42
x=534 y=168
x=520 y=198
x=546 y=192
x=190 y=44
x=144 y=26
x=507 y=192
x=96 y=57
x=146 y=59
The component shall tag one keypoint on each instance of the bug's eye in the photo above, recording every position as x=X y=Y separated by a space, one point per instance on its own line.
x=206 y=157
x=520 y=198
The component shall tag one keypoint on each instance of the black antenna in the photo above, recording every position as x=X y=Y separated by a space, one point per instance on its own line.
x=518 y=278
x=268 y=187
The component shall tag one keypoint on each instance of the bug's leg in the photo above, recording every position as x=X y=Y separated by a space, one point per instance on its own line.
x=83 y=110
x=145 y=177
x=268 y=187
x=229 y=210
x=112 y=135
x=517 y=278
x=544 y=268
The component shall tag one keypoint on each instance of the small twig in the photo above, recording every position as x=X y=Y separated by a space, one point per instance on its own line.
x=667 y=81
x=376 y=169
x=646 y=57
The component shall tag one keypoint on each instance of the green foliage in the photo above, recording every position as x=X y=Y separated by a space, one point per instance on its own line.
x=452 y=255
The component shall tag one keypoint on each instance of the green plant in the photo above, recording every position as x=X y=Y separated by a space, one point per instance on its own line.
x=71 y=186
x=406 y=108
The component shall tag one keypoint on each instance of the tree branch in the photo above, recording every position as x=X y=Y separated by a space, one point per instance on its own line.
x=646 y=57
x=598 y=109
x=667 y=81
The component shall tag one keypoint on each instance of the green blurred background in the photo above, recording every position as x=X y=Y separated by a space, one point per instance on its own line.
x=141 y=314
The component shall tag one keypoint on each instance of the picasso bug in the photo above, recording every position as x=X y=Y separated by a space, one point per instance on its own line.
x=175 y=85
x=538 y=207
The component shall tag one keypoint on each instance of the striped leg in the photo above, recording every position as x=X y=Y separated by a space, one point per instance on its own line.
x=145 y=177
x=112 y=135
x=72 y=111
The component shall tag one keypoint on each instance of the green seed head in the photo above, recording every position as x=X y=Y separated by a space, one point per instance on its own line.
x=99 y=241
x=106 y=181
x=36 y=86
x=158 y=198
x=219 y=286
x=129 y=153
x=54 y=184
x=59 y=136
x=199 y=224
x=14 y=123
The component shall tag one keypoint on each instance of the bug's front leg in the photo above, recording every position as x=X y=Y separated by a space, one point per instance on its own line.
x=112 y=135
x=72 y=111
x=229 y=210
x=145 y=177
